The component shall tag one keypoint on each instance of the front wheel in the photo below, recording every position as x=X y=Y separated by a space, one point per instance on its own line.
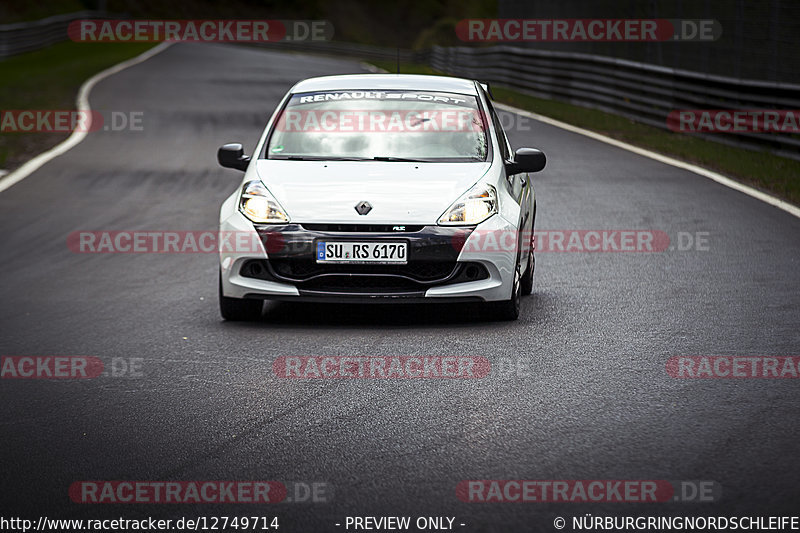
x=238 y=309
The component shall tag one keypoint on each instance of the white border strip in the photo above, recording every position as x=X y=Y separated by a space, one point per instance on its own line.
x=82 y=103
x=719 y=178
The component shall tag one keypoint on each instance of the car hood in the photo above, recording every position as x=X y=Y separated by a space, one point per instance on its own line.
x=399 y=192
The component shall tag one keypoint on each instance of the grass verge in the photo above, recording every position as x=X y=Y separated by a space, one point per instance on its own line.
x=50 y=79
x=777 y=175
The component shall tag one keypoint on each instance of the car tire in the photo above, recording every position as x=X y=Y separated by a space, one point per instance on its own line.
x=238 y=309
x=509 y=309
x=527 y=278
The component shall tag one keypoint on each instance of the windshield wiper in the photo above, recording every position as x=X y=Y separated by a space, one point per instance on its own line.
x=319 y=158
x=376 y=158
x=390 y=158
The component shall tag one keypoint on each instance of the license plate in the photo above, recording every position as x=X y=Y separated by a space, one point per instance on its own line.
x=362 y=252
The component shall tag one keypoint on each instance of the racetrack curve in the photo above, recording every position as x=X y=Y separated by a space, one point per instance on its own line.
x=588 y=396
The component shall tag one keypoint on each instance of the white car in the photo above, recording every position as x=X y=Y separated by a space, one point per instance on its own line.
x=379 y=188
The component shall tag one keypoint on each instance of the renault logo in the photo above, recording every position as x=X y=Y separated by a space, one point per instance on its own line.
x=363 y=207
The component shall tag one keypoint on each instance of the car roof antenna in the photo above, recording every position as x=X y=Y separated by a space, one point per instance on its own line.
x=398 y=60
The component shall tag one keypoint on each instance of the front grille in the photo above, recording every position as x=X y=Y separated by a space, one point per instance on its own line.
x=304 y=269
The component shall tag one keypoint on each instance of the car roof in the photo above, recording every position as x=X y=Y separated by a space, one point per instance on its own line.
x=370 y=82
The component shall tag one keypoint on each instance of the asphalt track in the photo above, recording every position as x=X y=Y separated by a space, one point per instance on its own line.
x=578 y=388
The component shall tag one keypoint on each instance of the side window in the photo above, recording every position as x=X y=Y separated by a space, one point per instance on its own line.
x=505 y=148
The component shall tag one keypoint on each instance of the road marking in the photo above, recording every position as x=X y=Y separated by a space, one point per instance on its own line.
x=719 y=178
x=82 y=103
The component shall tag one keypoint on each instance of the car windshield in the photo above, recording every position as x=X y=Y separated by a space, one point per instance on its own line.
x=380 y=125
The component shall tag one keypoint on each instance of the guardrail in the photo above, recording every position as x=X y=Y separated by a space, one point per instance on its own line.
x=639 y=91
x=24 y=37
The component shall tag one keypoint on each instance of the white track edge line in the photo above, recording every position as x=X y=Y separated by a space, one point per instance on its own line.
x=719 y=178
x=76 y=136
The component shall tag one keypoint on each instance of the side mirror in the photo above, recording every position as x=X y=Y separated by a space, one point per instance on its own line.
x=526 y=160
x=232 y=156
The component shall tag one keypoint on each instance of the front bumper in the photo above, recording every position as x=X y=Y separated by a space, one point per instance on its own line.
x=443 y=264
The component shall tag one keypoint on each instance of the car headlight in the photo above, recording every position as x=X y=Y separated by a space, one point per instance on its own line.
x=257 y=204
x=474 y=207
